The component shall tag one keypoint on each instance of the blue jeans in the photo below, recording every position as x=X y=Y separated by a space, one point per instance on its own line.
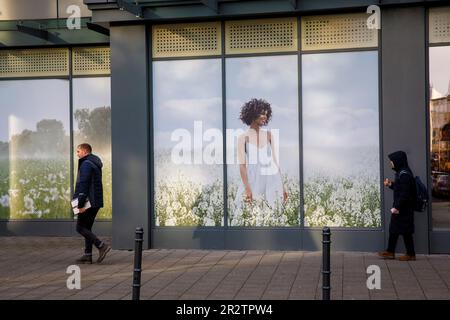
x=84 y=227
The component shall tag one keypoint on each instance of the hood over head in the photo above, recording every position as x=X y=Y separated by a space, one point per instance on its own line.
x=399 y=159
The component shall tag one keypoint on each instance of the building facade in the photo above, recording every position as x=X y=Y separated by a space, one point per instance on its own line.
x=165 y=91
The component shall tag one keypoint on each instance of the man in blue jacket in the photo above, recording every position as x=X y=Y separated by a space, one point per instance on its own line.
x=89 y=188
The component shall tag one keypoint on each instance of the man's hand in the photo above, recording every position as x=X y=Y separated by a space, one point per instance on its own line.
x=81 y=210
x=387 y=182
x=394 y=211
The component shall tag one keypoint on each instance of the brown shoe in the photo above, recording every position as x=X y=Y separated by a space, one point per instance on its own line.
x=386 y=255
x=102 y=251
x=85 y=259
x=407 y=258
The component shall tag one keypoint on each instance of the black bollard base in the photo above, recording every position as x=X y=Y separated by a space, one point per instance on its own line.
x=326 y=272
x=137 y=263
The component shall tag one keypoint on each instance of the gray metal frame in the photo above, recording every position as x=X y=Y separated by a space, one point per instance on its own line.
x=301 y=214
x=224 y=125
x=150 y=144
x=276 y=238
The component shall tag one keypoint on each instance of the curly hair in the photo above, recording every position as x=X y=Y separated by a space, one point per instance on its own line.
x=252 y=109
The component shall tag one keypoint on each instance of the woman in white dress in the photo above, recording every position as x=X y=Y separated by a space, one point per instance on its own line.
x=258 y=166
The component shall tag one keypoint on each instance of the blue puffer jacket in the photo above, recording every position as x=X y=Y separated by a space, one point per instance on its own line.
x=89 y=181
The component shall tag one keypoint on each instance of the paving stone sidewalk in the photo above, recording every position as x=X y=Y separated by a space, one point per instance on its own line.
x=35 y=268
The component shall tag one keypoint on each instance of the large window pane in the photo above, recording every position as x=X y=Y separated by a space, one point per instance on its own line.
x=255 y=85
x=92 y=124
x=341 y=139
x=440 y=135
x=34 y=149
x=188 y=143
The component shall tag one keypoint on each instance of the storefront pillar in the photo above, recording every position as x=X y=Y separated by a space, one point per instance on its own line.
x=404 y=103
x=130 y=134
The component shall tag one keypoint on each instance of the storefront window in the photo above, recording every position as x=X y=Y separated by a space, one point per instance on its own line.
x=440 y=135
x=34 y=149
x=188 y=155
x=92 y=124
x=263 y=141
x=341 y=139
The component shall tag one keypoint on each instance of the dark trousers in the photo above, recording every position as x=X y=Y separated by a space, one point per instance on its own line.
x=84 y=226
x=407 y=238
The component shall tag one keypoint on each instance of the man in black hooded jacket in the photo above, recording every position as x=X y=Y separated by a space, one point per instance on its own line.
x=402 y=211
x=89 y=187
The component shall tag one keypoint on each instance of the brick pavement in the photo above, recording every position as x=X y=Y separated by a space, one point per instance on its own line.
x=35 y=268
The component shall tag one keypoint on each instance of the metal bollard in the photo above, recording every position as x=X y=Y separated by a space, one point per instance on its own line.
x=137 y=263
x=326 y=272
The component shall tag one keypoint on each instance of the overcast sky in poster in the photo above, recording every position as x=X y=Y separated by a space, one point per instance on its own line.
x=30 y=101
x=340 y=113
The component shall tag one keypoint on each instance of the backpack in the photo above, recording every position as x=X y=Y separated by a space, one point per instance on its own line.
x=421 y=193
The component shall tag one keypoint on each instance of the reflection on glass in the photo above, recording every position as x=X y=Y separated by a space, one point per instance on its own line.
x=188 y=143
x=92 y=124
x=340 y=139
x=262 y=141
x=34 y=149
x=440 y=135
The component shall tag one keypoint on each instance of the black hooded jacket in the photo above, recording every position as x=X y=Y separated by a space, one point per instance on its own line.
x=404 y=195
x=89 y=181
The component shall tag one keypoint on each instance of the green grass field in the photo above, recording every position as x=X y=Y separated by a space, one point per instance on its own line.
x=339 y=202
x=40 y=189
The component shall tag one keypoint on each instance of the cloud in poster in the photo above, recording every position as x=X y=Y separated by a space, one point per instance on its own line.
x=91 y=92
x=265 y=73
x=341 y=161
x=30 y=101
x=350 y=103
x=187 y=91
x=340 y=112
x=274 y=79
x=331 y=125
x=186 y=70
x=187 y=79
x=315 y=75
x=181 y=113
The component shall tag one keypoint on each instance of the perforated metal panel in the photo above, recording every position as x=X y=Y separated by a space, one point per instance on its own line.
x=182 y=40
x=439 y=25
x=87 y=61
x=337 y=32
x=34 y=62
x=260 y=36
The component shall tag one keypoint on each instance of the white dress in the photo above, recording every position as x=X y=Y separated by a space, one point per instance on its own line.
x=263 y=177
